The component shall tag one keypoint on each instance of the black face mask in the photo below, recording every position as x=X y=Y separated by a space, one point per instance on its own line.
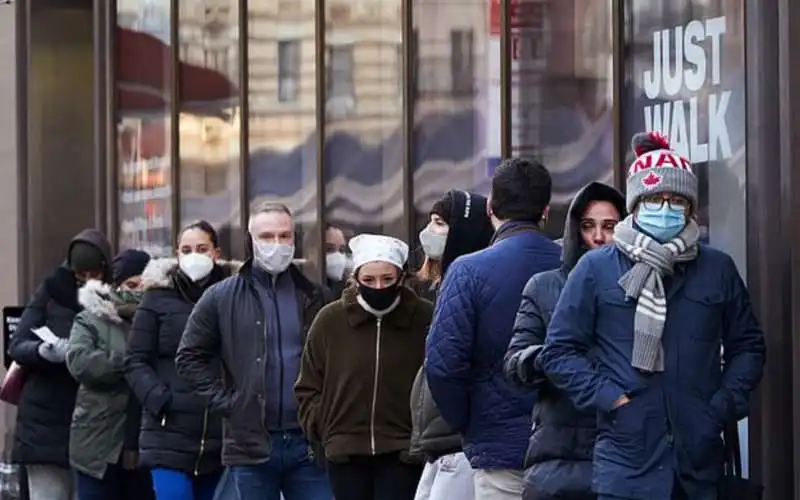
x=379 y=298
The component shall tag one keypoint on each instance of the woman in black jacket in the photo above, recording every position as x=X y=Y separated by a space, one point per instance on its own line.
x=41 y=439
x=559 y=458
x=180 y=441
x=458 y=225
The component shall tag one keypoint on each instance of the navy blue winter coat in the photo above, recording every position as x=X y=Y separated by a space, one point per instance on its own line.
x=672 y=426
x=471 y=328
x=559 y=459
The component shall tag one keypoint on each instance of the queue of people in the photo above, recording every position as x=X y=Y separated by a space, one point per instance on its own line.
x=507 y=367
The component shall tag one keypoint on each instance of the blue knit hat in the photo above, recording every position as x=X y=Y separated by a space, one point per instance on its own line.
x=127 y=264
x=658 y=169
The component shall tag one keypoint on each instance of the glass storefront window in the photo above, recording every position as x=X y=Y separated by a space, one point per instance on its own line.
x=210 y=117
x=451 y=106
x=561 y=88
x=143 y=94
x=363 y=157
x=282 y=116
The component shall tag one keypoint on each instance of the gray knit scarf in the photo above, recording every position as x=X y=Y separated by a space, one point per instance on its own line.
x=653 y=261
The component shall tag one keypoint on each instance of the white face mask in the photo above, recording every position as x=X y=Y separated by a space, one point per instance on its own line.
x=432 y=244
x=273 y=258
x=195 y=265
x=336 y=265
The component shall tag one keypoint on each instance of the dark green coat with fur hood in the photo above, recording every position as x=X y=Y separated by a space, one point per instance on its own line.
x=97 y=345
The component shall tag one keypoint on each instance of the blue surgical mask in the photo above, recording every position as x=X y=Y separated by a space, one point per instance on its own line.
x=662 y=223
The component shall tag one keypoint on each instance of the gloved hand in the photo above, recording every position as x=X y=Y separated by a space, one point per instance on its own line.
x=54 y=352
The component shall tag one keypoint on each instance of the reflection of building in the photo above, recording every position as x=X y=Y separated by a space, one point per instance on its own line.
x=108 y=138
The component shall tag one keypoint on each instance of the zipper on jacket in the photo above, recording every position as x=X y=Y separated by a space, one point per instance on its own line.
x=280 y=356
x=164 y=420
x=375 y=387
x=202 y=443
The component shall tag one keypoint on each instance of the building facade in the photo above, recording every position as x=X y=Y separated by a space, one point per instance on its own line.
x=139 y=116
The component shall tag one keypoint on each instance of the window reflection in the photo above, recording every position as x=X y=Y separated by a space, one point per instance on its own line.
x=209 y=117
x=455 y=116
x=282 y=118
x=363 y=143
x=143 y=95
x=561 y=93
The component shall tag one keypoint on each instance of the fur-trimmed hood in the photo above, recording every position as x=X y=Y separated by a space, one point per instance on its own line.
x=159 y=272
x=100 y=299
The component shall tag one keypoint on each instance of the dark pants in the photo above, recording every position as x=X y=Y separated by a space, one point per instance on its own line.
x=117 y=483
x=380 y=477
x=291 y=470
x=678 y=493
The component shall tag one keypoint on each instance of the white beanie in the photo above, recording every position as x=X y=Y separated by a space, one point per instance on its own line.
x=378 y=248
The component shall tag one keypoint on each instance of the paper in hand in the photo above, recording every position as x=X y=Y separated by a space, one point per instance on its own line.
x=46 y=335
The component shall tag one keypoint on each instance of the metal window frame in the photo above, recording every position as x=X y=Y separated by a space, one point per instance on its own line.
x=244 y=122
x=320 y=78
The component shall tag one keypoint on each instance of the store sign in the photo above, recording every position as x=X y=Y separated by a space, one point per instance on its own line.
x=11 y=317
x=686 y=60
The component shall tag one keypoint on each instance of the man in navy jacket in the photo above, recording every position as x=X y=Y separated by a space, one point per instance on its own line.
x=472 y=327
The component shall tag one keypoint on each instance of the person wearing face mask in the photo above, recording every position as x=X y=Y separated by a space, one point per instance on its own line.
x=181 y=436
x=358 y=366
x=337 y=261
x=41 y=437
x=104 y=436
x=635 y=338
x=255 y=324
x=555 y=471
x=458 y=225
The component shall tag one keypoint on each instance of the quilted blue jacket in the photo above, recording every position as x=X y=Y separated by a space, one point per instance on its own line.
x=471 y=329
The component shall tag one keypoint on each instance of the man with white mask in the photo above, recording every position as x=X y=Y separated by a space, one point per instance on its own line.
x=255 y=323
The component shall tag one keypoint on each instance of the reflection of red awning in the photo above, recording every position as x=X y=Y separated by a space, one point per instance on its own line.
x=144 y=75
x=145 y=142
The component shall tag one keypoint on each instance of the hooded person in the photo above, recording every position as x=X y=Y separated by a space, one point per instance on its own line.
x=458 y=225
x=635 y=339
x=555 y=470
x=105 y=424
x=41 y=438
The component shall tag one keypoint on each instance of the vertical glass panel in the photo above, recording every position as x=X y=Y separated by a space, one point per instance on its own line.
x=685 y=77
x=143 y=88
x=363 y=116
x=561 y=111
x=210 y=117
x=457 y=100
x=282 y=118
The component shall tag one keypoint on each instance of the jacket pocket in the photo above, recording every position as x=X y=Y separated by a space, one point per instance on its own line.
x=621 y=433
x=706 y=307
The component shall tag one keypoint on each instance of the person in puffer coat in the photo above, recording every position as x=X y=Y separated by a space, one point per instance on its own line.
x=104 y=436
x=559 y=458
x=458 y=225
x=181 y=438
x=41 y=438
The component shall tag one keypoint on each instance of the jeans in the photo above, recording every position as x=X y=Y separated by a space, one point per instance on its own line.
x=291 y=470
x=176 y=485
x=117 y=483
x=379 y=477
x=49 y=482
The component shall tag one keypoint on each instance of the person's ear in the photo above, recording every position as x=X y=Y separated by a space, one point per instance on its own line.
x=545 y=213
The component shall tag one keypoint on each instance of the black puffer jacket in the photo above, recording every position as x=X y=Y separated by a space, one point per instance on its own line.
x=469 y=231
x=178 y=430
x=48 y=397
x=559 y=458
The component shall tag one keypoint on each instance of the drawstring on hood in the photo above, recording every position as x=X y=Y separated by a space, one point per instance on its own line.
x=572 y=243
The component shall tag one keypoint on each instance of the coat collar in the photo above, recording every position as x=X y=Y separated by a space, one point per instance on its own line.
x=400 y=317
x=98 y=299
x=159 y=273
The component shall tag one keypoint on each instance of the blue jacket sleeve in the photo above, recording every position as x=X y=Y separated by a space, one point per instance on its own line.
x=448 y=350
x=24 y=345
x=744 y=351
x=570 y=336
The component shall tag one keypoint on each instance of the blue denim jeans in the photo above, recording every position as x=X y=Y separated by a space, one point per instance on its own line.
x=291 y=470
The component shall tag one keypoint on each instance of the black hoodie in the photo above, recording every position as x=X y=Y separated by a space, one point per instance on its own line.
x=556 y=471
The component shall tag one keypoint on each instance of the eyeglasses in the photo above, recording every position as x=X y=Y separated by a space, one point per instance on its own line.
x=655 y=202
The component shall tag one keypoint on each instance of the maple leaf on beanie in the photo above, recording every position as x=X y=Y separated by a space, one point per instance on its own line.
x=658 y=169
